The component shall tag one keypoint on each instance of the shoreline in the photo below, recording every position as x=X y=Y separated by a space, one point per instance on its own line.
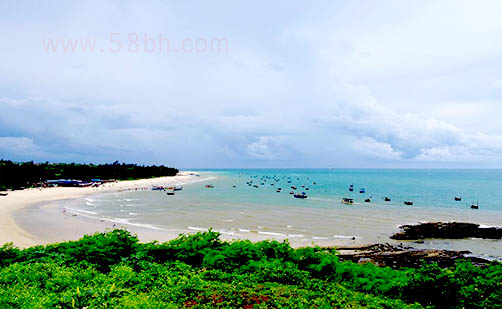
x=13 y=205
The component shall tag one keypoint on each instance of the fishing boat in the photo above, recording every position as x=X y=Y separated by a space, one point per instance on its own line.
x=178 y=188
x=170 y=192
x=291 y=192
x=348 y=201
x=475 y=206
x=303 y=195
x=408 y=203
x=458 y=199
x=387 y=199
x=367 y=200
x=362 y=190
x=209 y=186
x=351 y=189
x=278 y=190
x=293 y=187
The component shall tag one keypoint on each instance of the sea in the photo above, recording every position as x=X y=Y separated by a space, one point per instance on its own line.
x=245 y=203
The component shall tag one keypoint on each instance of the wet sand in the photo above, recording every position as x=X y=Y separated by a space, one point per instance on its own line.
x=25 y=223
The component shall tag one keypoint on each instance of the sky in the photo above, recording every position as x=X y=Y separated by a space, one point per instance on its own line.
x=261 y=84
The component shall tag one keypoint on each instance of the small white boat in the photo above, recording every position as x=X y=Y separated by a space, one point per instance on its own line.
x=178 y=188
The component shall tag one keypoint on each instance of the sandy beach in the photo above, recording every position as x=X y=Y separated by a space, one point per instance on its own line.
x=23 y=204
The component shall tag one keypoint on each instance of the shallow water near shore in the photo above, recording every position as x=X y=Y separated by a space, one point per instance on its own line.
x=259 y=213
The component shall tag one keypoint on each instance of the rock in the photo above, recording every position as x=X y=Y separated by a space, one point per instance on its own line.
x=447 y=230
x=399 y=256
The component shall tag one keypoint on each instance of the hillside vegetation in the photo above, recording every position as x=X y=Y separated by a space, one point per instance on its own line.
x=114 y=270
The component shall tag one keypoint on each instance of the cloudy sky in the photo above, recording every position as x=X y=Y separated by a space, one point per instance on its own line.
x=263 y=84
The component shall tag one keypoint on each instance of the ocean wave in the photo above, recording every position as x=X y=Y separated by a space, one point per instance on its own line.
x=319 y=238
x=244 y=230
x=345 y=236
x=193 y=228
x=271 y=233
x=82 y=211
x=94 y=215
x=295 y=235
x=90 y=204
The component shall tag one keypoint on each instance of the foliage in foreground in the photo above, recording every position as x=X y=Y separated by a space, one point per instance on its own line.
x=114 y=270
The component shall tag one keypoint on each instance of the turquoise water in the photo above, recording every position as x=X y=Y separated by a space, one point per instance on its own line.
x=239 y=210
x=426 y=188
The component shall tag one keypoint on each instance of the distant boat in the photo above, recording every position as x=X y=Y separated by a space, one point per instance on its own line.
x=351 y=189
x=367 y=200
x=314 y=183
x=178 y=188
x=475 y=206
x=209 y=186
x=348 y=201
x=303 y=195
x=4 y=193
x=278 y=190
x=387 y=199
x=291 y=192
x=458 y=199
x=293 y=187
x=362 y=190
x=170 y=193
x=307 y=189
x=408 y=203
x=157 y=188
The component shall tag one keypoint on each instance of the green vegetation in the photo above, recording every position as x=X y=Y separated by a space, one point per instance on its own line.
x=18 y=175
x=114 y=270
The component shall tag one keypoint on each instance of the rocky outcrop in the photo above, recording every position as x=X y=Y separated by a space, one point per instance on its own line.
x=447 y=230
x=399 y=256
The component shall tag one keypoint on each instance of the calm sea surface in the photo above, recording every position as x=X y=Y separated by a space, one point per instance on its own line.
x=262 y=212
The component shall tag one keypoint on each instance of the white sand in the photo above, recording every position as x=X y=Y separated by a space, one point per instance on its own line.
x=16 y=201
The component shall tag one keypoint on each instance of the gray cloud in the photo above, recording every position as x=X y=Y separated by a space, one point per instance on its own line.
x=338 y=84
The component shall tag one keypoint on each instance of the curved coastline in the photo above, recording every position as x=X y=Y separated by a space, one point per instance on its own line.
x=18 y=204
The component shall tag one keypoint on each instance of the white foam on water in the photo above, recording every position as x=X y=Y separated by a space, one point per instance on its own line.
x=82 y=211
x=295 y=235
x=345 y=236
x=319 y=238
x=197 y=228
x=271 y=233
x=244 y=230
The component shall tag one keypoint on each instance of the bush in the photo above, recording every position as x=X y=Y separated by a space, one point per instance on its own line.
x=114 y=270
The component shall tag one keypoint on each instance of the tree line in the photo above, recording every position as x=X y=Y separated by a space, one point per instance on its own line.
x=18 y=175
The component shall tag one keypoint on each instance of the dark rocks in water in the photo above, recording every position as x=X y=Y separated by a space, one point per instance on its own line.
x=447 y=230
x=400 y=256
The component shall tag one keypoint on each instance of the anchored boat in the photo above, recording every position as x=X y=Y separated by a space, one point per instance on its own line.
x=348 y=201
